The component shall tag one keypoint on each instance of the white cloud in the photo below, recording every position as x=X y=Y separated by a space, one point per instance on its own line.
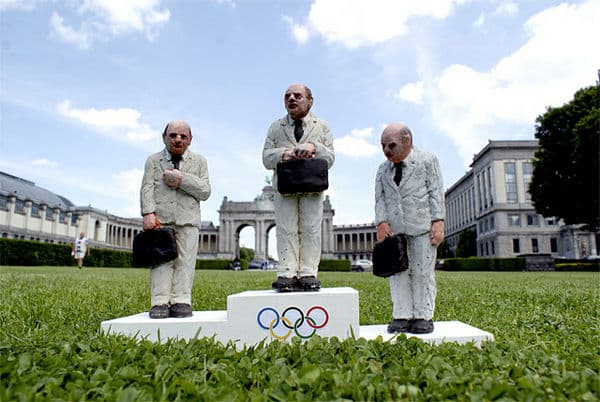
x=356 y=144
x=126 y=186
x=300 y=32
x=43 y=162
x=101 y=18
x=412 y=92
x=21 y=5
x=472 y=106
x=122 y=124
x=356 y=23
x=80 y=38
x=480 y=21
x=507 y=8
x=230 y=3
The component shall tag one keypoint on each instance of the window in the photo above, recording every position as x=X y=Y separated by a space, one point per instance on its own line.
x=62 y=217
x=74 y=219
x=483 y=181
x=551 y=221
x=534 y=246
x=489 y=170
x=492 y=223
x=49 y=213
x=20 y=206
x=516 y=246
x=35 y=210
x=479 y=192
x=532 y=220
x=493 y=247
x=510 y=179
x=527 y=174
x=514 y=220
x=3 y=202
x=553 y=245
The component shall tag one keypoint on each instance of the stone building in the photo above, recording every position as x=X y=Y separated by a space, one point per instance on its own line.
x=492 y=200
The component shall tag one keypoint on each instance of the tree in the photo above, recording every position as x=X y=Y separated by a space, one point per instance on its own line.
x=444 y=250
x=246 y=254
x=466 y=246
x=566 y=167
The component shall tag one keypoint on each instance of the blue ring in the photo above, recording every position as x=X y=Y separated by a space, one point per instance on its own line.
x=262 y=311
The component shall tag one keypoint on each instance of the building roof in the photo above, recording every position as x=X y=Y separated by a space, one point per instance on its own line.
x=505 y=144
x=27 y=190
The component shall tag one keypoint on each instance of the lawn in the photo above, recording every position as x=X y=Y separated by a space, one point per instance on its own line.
x=546 y=328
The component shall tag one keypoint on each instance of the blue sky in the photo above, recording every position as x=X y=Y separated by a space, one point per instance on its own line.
x=86 y=86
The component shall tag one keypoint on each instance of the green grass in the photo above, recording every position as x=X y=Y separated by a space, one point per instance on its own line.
x=545 y=326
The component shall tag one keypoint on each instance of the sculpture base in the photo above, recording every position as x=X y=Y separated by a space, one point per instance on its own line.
x=443 y=331
x=265 y=315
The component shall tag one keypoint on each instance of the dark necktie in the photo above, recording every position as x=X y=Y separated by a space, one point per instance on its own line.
x=298 y=130
x=176 y=159
x=398 y=174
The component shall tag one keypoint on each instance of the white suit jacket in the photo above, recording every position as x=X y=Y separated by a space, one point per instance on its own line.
x=179 y=206
x=419 y=199
x=281 y=137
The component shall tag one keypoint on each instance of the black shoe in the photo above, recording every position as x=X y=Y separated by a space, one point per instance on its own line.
x=161 y=311
x=309 y=284
x=420 y=326
x=285 y=284
x=399 y=325
x=181 y=310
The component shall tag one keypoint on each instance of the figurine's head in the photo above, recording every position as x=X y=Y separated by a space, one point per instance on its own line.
x=396 y=142
x=298 y=100
x=177 y=136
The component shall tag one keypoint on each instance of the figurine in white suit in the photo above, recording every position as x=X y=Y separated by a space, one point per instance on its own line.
x=409 y=200
x=298 y=217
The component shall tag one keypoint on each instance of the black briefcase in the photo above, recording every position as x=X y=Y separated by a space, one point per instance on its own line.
x=390 y=256
x=154 y=247
x=302 y=176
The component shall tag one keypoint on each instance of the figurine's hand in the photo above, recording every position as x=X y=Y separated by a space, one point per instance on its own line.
x=172 y=178
x=288 y=154
x=305 y=151
x=383 y=230
x=436 y=234
x=150 y=222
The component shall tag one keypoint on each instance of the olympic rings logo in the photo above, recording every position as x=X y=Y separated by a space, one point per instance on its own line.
x=293 y=320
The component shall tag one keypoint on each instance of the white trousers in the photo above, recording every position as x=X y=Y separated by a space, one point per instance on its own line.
x=298 y=219
x=172 y=281
x=413 y=291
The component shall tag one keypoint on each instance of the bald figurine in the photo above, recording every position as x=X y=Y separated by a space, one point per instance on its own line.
x=298 y=135
x=409 y=200
x=175 y=181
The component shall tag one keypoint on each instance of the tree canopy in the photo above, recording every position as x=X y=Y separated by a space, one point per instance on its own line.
x=566 y=167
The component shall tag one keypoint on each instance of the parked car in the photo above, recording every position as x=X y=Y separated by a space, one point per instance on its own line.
x=362 y=265
x=258 y=264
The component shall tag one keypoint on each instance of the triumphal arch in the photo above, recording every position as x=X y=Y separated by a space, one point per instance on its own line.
x=260 y=214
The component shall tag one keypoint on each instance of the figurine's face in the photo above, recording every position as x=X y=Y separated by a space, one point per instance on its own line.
x=395 y=147
x=177 y=138
x=297 y=102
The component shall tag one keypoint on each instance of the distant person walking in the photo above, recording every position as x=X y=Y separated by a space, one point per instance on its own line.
x=409 y=200
x=175 y=181
x=80 y=249
x=298 y=135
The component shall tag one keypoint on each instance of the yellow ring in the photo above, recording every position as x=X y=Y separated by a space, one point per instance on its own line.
x=284 y=337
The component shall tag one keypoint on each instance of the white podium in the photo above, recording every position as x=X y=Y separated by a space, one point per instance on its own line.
x=257 y=315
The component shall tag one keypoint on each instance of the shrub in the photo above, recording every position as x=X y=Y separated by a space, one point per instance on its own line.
x=220 y=263
x=100 y=257
x=483 y=264
x=30 y=253
x=583 y=266
x=335 y=266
